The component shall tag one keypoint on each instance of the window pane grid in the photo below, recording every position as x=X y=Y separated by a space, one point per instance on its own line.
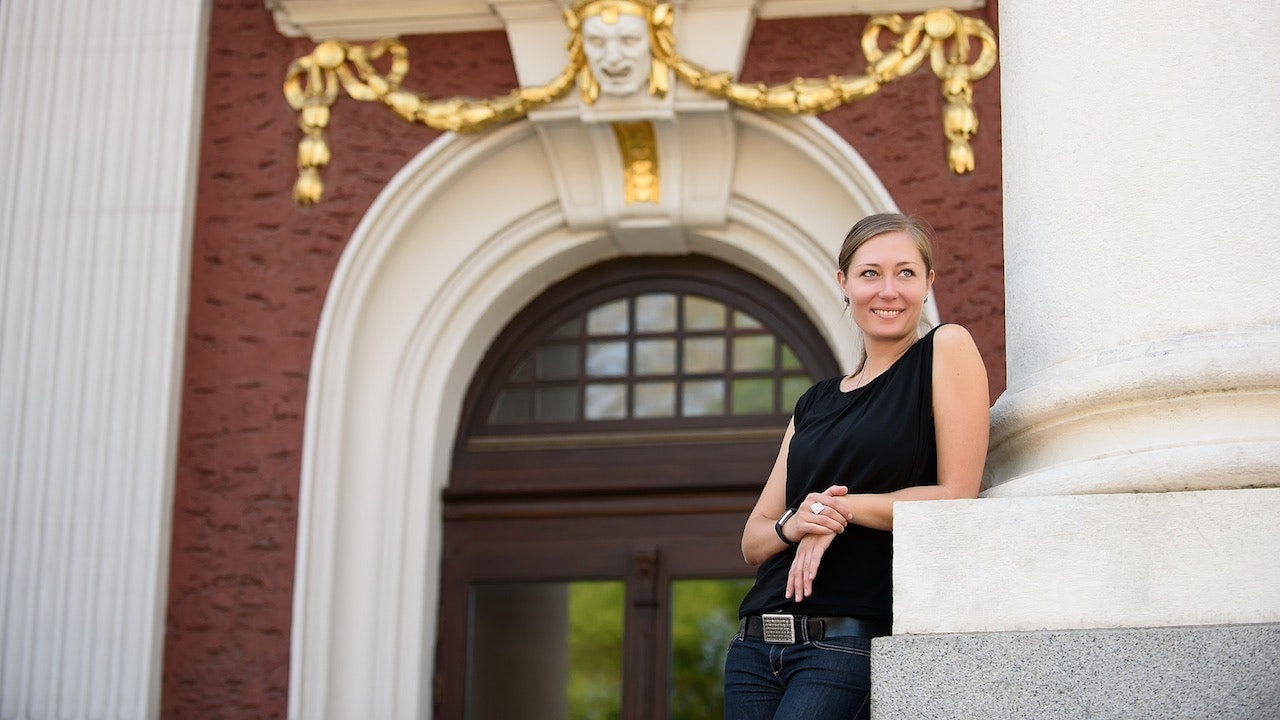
x=653 y=355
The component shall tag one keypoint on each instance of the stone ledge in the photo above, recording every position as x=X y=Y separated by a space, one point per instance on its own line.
x=1222 y=671
x=1178 y=559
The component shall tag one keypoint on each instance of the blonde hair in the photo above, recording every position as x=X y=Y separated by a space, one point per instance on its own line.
x=876 y=225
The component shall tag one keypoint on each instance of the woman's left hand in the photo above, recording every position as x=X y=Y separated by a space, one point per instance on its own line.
x=821 y=517
x=804 y=567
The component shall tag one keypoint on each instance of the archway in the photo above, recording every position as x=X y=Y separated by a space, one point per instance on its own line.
x=445 y=257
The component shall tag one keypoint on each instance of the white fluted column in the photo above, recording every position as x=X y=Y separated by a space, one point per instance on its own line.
x=99 y=124
x=1141 y=167
x=1141 y=164
x=1141 y=159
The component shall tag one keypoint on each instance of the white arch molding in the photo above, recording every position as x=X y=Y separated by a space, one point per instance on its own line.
x=447 y=254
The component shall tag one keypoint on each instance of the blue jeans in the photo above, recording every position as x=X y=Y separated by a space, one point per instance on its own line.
x=826 y=679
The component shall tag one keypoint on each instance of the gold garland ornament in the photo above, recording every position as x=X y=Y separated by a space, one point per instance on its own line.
x=945 y=37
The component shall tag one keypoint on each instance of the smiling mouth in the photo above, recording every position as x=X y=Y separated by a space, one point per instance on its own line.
x=887 y=313
x=616 y=73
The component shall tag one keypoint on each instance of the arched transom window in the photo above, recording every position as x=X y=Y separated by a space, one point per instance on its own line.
x=666 y=354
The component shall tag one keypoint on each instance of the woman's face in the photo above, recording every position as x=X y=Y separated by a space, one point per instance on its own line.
x=887 y=283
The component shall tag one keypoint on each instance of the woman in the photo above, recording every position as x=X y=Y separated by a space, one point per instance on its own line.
x=910 y=423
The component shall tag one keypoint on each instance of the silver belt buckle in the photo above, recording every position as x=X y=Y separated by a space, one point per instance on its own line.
x=779 y=628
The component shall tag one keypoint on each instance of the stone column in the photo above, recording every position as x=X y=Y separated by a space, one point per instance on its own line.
x=98 y=124
x=1123 y=561
x=1142 y=217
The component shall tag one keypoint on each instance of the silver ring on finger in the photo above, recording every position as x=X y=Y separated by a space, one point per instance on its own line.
x=817 y=508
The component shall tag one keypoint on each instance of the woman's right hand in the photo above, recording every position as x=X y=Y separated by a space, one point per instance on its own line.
x=829 y=518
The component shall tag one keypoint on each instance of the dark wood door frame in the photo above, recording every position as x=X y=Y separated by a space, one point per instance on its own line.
x=648 y=551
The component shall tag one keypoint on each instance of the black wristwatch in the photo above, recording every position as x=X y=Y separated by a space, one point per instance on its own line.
x=777 y=527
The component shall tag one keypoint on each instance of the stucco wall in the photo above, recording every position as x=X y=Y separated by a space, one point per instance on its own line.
x=261 y=267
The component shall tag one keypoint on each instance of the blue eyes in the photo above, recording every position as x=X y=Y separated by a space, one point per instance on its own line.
x=905 y=273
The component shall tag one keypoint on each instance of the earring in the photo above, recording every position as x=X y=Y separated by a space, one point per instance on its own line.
x=846 y=300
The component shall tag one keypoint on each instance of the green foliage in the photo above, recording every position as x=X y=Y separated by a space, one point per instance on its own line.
x=703 y=618
x=595 y=650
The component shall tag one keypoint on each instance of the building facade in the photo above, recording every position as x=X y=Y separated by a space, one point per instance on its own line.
x=269 y=458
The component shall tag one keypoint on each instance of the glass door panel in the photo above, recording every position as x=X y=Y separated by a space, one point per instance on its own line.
x=595 y=650
x=704 y=615
x=541 y=650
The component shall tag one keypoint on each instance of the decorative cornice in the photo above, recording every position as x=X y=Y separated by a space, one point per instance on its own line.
x=941 y=35
x=358 y=20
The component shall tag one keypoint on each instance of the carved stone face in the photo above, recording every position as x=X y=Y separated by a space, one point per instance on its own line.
x=618 y=54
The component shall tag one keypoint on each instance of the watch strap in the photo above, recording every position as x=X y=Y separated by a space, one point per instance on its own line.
x=777 y=527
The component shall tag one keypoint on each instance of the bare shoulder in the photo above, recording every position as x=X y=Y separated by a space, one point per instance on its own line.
x=953 y=340
x=956 y=355
x=959 y=374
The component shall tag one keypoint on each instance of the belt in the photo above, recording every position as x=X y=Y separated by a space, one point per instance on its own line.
x=787 y=629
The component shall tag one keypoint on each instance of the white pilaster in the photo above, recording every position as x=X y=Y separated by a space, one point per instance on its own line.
x=1141 y=218
x=99 y=121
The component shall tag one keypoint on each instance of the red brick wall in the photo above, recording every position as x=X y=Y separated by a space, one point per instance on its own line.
x=260 y=270
x=261 y=267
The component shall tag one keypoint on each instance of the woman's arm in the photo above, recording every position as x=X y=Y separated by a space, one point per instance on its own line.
x=962 y=422
x=759 y=540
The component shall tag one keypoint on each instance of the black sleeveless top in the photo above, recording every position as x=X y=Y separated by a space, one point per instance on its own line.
x=875 y=439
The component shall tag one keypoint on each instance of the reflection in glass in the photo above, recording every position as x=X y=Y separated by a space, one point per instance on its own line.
x=570 y=329
x=743 y=321
x=606 y=401
x=789 y=359
x=608 y=319
x=516 y=654
x=704 y=616
x=607 y=359
x=792 y=389
x=655 y=357
x=656 y=313
x=702 y=398
x=655 y=399
x=512 y=405
x=704 y=355
x=753 y=352
x=557 y=362
x=703 y=314
x=545 y=650
x=752 y=396
x=595 y=650
x=556 y=403
x=522 y=371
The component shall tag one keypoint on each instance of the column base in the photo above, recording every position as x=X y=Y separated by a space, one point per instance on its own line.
x=1195 y=412
x=1225 y=671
